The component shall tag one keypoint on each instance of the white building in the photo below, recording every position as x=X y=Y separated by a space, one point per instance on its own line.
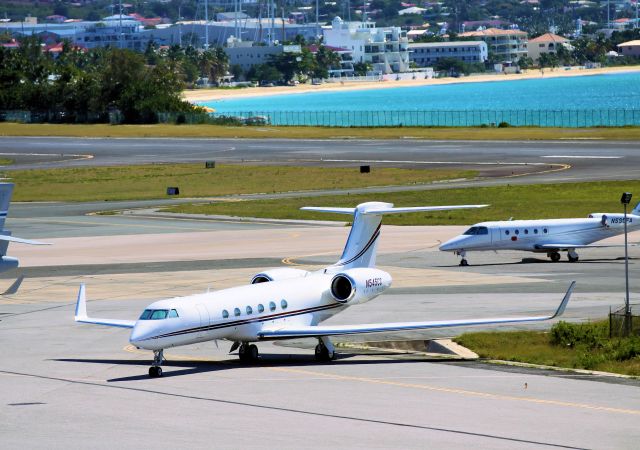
x=386 y=49
x=426 y=54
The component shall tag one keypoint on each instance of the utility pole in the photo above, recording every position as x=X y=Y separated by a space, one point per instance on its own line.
x=318 y=16
x=206 y=24
x=120 y=17
x=626 y=198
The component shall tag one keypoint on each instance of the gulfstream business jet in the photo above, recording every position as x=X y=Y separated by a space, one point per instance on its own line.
x=550 y=236
x=286 y=303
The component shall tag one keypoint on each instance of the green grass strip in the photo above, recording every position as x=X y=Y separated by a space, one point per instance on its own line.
x=194 y=180
x=544 y=201
x=268 y=132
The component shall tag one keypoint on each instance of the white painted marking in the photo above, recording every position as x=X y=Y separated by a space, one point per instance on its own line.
x=582 y=157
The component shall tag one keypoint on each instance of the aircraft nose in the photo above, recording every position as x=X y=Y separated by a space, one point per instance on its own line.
x=451 y=244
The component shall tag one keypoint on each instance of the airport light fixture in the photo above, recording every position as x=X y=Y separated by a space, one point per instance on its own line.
x=625 y=200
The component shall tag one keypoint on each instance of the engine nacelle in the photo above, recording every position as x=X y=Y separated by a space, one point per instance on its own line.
x=283 y=273
x=8 y=263
x=359 y=285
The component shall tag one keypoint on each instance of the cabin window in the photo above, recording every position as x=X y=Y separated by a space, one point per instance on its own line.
x=526 y=231
x=283 y=304
x=272 y=306
x=236 y=311
x=260 y=308
x=544 y=230
x=173 y=313
x=249 y=310
x=225 y=314
x=517 y=231
x=535 y=231
x=506 y=232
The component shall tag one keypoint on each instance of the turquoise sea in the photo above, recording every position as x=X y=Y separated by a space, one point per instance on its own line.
x=612 y=99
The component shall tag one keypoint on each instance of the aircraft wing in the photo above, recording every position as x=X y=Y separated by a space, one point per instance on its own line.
x=566 y=246
x=21 y=241
x=81 y=314
x=338 y=330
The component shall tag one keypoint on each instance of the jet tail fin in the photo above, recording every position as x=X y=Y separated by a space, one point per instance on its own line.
x=360 y=249
x=636 y=210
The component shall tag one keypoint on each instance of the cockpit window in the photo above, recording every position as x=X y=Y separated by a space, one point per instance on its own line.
x=173 y=313
x=159 y=314
x=476 y=230
x=156 y=314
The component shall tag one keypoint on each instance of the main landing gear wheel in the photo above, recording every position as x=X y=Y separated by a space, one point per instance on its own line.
x=323 y=354
x=555 y=256
x=464 y=263
x=572 y=258
x=248 y=353
x=155 y=371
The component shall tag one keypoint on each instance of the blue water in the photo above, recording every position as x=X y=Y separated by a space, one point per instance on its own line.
x=571 y=101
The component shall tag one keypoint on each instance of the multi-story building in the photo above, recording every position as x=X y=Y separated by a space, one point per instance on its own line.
x=547 y=43
x=507 y=46
x=386 y=49
x=246 y=55
x=426 y=54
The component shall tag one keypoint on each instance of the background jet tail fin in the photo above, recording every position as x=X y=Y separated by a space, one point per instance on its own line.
x=362 y=243
x=6 y=191
x=636 y=210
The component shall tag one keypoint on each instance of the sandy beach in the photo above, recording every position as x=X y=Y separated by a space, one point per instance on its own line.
x=201 y=95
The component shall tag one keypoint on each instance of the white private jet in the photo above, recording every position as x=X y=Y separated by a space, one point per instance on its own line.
x=550 y=236
x=285 y=303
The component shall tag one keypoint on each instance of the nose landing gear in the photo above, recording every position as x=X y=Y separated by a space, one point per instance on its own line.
x=155 y=371
x=572 y=255
x=463 y=261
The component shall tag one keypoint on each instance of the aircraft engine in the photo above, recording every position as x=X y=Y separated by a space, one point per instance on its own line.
x=278 y=274
x=8 y=263
x=359 y=285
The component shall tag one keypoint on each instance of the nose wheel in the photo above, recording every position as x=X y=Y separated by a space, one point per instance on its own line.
x=155 y=371
x=572 y=255
x=463 y=261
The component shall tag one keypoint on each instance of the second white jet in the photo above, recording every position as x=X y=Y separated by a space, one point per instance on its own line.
x=550 y=236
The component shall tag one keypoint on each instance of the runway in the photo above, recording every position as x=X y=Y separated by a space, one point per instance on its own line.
x=589 y=160
x=64 y=385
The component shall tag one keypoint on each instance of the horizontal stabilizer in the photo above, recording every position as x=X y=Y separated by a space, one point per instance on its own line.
x=419 y=209
x=349 y=211
x=21 y=241
x=81 y=314
x=338 y=330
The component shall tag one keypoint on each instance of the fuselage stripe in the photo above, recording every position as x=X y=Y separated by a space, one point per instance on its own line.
x=366 y=247
x=245 y=321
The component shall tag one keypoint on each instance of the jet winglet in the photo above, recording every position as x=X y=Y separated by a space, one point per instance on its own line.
x=14 y=287
x=565 y=300
x=81 y=313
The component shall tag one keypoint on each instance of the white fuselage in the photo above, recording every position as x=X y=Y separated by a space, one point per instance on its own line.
x=241 y=313
x=532 y=235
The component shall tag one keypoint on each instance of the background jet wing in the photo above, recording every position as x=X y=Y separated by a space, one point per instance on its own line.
x=567 y=246
x=21 y=241
x=338 y=330
x=81 y=314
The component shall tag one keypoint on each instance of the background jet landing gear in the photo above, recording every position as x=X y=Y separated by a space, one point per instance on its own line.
x=325 y=351
x=463 y=261
x=248 y=353
x=555 y=256
x=572 y=255
x=155 y=371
